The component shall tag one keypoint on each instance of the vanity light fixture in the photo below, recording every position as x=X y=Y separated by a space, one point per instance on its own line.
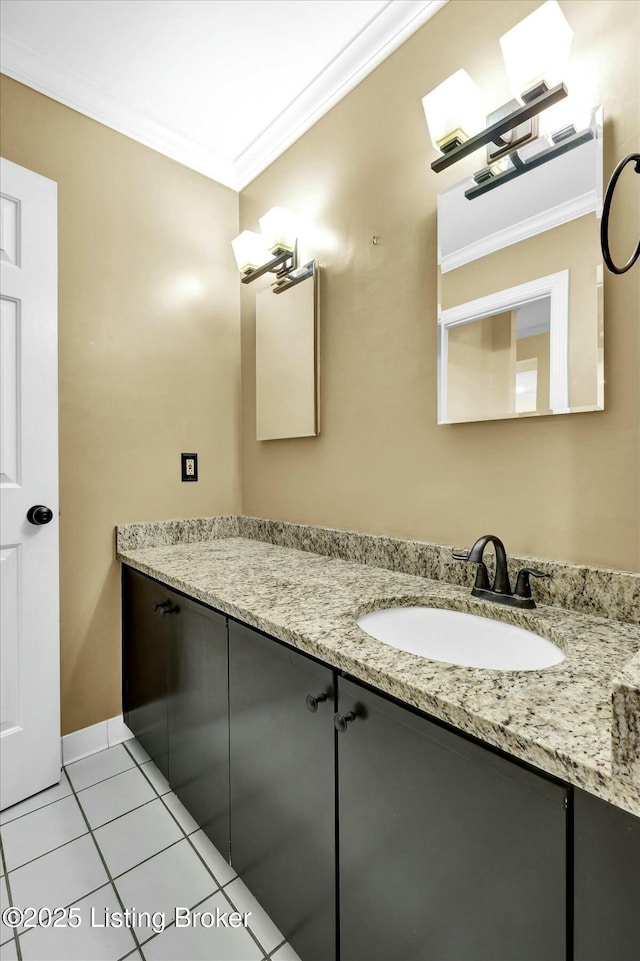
x=535 y=52
x=274 y=250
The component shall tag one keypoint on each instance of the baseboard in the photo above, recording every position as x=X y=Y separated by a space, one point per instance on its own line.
x=97 y=737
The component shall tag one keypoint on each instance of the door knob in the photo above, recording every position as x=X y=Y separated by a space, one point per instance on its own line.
x=39 y=515
x=312 y=702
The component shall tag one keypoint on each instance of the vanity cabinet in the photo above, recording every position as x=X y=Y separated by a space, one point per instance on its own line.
x=283 y=786
x=606 y=881
x=198 y=717
x=396 y=837
x=175 y=695
x=145 y=642
x=448 y=852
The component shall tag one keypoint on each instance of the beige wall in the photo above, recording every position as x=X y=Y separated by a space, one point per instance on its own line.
x=148 y=359
x=561 y=487
x=537 y=349
x=481 y=369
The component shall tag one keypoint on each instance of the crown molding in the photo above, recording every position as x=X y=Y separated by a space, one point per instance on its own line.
x=545 y=220
x=34 y=70
x=377 y=40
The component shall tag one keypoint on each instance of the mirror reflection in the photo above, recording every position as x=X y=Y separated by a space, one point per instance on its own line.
x=520 y=319
x=499 y=366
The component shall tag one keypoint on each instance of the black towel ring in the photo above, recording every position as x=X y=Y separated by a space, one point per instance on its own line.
x=606 y=210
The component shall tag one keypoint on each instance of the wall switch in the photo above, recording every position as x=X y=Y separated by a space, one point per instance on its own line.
x=189 y=467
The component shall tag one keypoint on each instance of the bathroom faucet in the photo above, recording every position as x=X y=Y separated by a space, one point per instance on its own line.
x=500 y=590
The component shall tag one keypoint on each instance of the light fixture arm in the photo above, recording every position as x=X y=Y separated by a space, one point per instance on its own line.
x=530 y=109
x=282 y=263
x=522 y=167
x=606 y=210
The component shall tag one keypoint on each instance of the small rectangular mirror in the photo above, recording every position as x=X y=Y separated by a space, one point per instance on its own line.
x=287 y=354
x=520 y=319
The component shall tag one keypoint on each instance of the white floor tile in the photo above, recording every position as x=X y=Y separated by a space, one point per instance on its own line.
x=260 y=923
x=97 y=767
x=199 y=943
x=174 y=878
x=37 y=833
x=220 y=868
x=136 y=749
x=59 y=878
x=285 y=953
x=88 y=941
x=157 y=779
x=8 y=951
x=55 y=793
x=109 y=799
x=136 y=836
x=6 y=933
x=180 y=813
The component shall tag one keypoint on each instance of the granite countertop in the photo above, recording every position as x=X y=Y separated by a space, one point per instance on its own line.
x=570 y=720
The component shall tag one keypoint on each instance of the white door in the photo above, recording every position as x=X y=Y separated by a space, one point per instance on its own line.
x=29 y=639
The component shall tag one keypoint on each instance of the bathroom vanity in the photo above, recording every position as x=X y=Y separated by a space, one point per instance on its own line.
x=378 y=804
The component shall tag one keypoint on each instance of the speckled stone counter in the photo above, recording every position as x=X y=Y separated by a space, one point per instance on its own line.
x=560 y=719
x=625 y=705
x=575 y=587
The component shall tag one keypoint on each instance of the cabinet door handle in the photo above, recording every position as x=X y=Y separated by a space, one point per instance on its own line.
x=340 y=721
x=165 y=607
x=312 y=702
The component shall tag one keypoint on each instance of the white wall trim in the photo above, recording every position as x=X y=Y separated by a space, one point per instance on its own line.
x=546 y=220
x=556 y=287
x=97 y=737
x=31 y=68
x=377 y=40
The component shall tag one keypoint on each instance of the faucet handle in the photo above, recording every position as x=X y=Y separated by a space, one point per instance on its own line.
x=462 y=555
x=523 y=587
x=482 y=574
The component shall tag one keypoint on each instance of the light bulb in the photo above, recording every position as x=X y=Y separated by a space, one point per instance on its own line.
x=453 y=111
x=250 y=251
x=537 y=49
x=279 y=229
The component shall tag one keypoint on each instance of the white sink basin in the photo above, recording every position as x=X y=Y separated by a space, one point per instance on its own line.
x=458 y=638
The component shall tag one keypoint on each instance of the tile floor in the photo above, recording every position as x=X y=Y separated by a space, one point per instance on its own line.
x=112 y=836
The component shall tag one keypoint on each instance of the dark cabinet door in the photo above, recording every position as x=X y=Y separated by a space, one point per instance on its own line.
x=448 y=852
x=145 y=642
x=283 y=787
x=198 y=719
x=606 y=881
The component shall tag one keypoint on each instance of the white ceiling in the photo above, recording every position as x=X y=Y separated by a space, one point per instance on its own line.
x=223 y=86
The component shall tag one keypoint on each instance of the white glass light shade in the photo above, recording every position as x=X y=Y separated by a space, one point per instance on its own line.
x=250 y=251
x=453 y=108
x=537 y=48
x=279 y=229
